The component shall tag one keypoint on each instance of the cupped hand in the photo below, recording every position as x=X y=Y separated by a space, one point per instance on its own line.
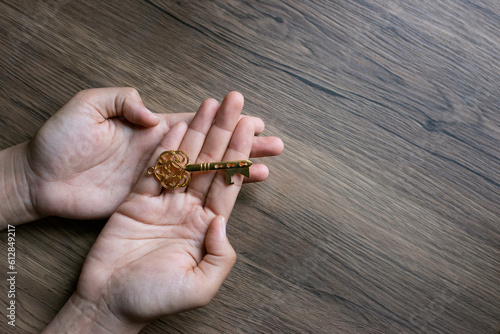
x=166 y=251
x=86 y=157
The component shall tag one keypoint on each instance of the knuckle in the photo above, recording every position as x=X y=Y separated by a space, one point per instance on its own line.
x=232 y=257
x=84 y=94
x=131 y=91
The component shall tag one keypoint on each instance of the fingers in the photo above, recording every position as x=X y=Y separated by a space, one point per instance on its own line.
x=263 y=147
x=221 y=197
x=170 y=119
x=219 y=259
x=258 y=173
x=148 y=184
x=209 y=136
x=266 y=147
x=259 y=124
x=214 y=127
x=204 y=119
x=199 y=128
x=114 y=102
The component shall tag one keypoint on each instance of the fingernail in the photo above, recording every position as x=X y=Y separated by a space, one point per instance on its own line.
x=156 y=118
x=223 y=226
x=152 y=113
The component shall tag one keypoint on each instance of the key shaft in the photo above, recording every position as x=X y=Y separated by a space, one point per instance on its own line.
x=208 y=166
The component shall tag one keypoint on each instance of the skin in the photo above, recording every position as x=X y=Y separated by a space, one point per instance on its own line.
x=165 y=251
x=85 y=159
x=161 y=251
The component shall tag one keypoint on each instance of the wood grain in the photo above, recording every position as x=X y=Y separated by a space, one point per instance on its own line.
x=381 y=216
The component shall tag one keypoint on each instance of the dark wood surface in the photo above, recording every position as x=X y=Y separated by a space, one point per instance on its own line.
x=383 y=213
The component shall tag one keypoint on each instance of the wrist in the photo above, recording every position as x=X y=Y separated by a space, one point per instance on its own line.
x=80 y=315
x=16 y=187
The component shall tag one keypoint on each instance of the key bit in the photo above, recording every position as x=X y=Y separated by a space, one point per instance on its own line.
x=173 y=170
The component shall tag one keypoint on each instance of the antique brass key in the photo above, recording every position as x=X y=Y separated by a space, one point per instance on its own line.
x=173 y=170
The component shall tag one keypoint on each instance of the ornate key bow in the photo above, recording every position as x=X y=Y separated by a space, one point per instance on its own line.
x=172 y=169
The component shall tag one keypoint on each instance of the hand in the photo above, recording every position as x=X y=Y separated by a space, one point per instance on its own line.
x=86 y=158
x=166 y=251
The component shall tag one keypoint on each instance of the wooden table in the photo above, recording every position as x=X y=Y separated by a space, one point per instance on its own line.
x=383 y=213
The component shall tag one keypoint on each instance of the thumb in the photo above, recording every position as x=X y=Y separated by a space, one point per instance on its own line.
x=220 y=256
x=126 y=102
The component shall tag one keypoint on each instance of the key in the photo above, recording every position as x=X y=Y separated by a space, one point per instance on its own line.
x=173 y=170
